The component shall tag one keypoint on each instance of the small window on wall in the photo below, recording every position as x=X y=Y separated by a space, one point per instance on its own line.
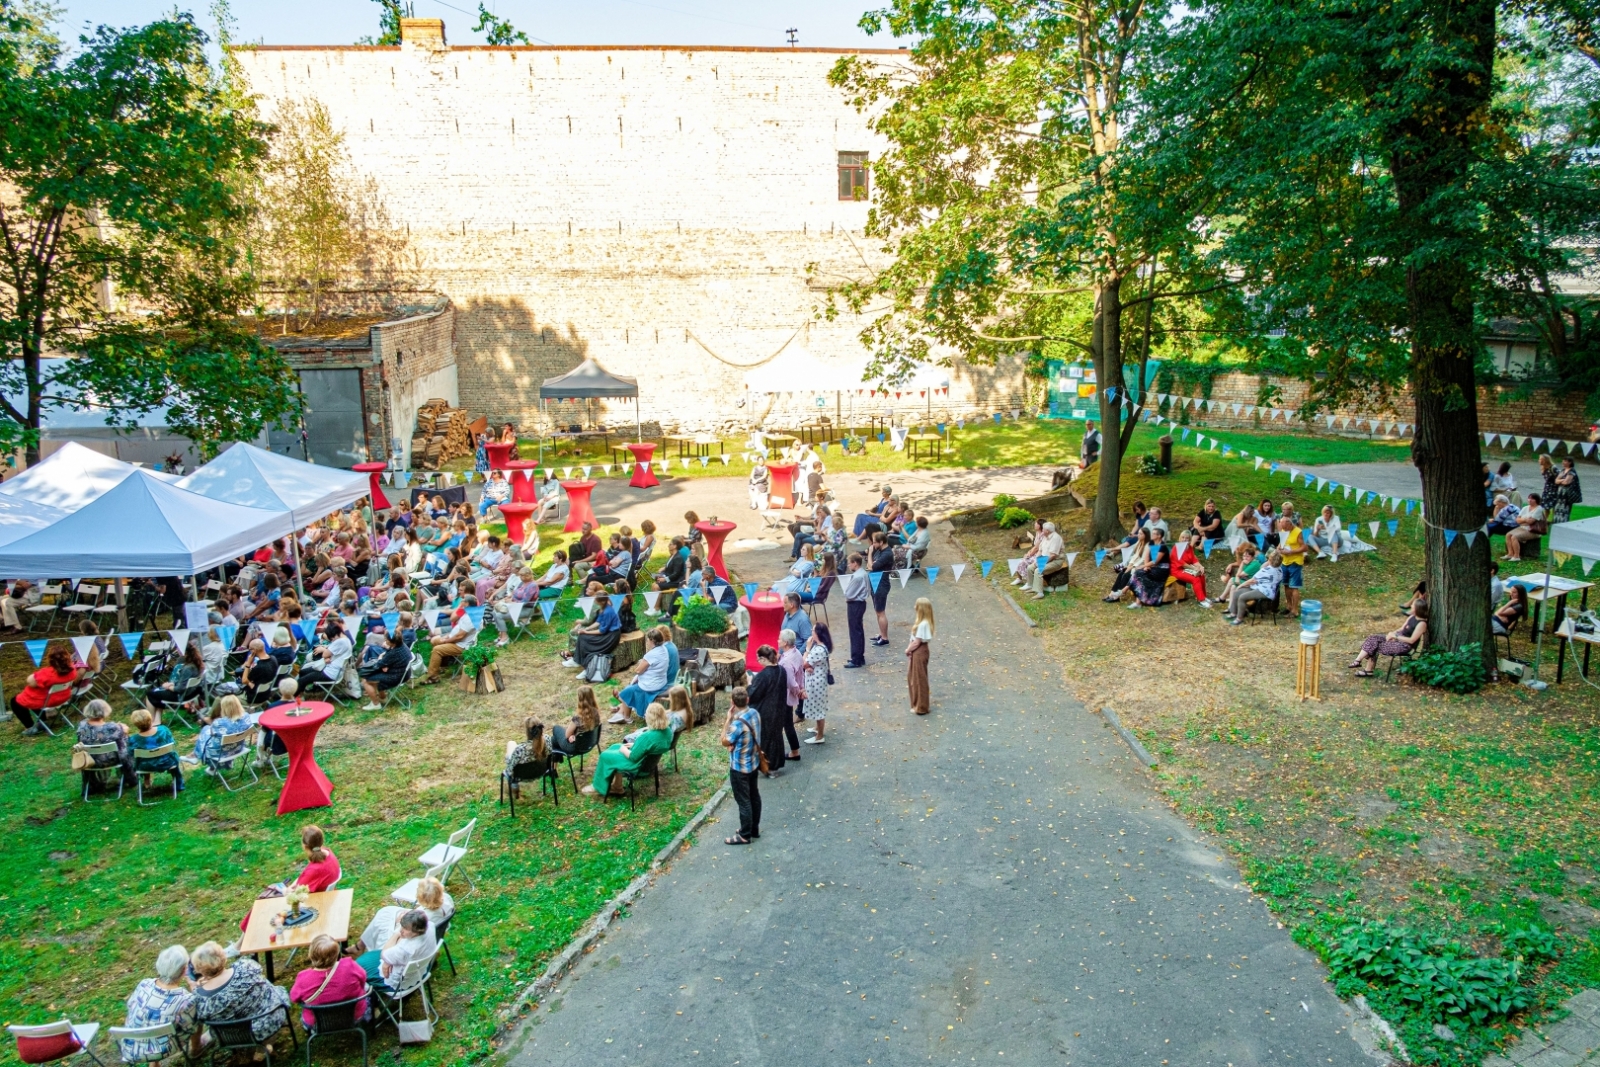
x=852 y=175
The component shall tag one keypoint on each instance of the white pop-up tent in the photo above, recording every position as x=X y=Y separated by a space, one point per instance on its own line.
x=143 y=527
x=256 y=478
x=1581 y=538
x=19 y=518
x=71 y=477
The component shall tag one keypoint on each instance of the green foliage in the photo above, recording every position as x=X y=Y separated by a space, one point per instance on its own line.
x=389 y=22
x=1011 y=518
x=1440 y=981
x=1002 y=501
x=1461 y=671
x=700 y=615
x=497 y=30
x=126 y=162
x=478 y=656
x=1149 y=464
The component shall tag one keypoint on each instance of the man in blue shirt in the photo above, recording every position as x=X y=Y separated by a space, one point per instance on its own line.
x=742 y=739
x=795 y=619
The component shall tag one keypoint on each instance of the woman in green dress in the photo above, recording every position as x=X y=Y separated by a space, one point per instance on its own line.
x=655 y=741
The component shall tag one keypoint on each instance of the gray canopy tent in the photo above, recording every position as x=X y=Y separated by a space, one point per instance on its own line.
x=590 y=381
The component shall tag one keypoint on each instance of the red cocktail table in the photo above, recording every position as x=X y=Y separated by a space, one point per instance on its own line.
x=523 y=488
x=499 y=453
x=375 y=489
x=516 y=514
x=715 y=533
x=305 y=786
x=766 y=621
x=579 y=510
x=782 y=475
x=643 y=476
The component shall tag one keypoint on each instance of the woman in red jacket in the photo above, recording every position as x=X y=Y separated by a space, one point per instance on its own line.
x=36 y=695
x=1188 y=568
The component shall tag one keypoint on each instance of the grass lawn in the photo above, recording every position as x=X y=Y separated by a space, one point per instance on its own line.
x=1019 y=443
x=1469 y=818
x=97 y=890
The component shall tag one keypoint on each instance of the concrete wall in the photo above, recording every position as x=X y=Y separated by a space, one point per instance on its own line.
x=671 y=212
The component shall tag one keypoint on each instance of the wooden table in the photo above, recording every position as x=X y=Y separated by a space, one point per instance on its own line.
x=782 y=440
x=695 y=445
x=1559 y=589
x=333 y=919
x=1588 y=641
x=816 y=431
x=931 y=443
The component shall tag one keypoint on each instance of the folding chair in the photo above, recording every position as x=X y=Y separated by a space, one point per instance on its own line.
x=819 y=599
x=42 y=615
x=162 y=1040
x=93 y=773
x=543 y=771
x=83 y=690
x=396 y=695
x=143 y=756
x=84 y=601
x=442 y=932
x=582 y=745
x=339 y=1017
x=452 y=851
x=407 y=894
x=239 y=1035
x=650 y=768
x=413 y=978
x=773 y=520
x=50 y=1042
x=234 y=752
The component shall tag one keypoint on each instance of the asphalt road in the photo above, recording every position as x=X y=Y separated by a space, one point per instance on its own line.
x=995 y=882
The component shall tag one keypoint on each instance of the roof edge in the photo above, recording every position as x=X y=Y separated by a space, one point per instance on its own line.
x=569 y=48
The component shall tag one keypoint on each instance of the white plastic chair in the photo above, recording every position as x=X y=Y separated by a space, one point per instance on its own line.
x=107 y=749
x=232 y=756
x=150 y=755
x=413 y=978
x=407 y=894
x=452 y=851
x=50 y=707
x=119 y=1034
x=85 y=601
x=42 y=614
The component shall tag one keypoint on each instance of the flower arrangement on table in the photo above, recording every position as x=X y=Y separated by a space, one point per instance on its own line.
x=295 y=896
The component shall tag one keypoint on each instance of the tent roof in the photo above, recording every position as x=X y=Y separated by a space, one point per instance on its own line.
x=588 y=381
x=256 y=478
x=19 y=518
x=1581 y=538
x=70 y=477
x=144 y=526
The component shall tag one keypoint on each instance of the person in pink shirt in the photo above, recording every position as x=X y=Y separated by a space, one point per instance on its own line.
x=794 y=674
x=331 y=978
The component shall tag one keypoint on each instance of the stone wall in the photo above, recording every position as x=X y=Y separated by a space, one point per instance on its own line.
x=670 y=212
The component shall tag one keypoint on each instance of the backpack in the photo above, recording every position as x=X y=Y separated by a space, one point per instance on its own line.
x=597 y=669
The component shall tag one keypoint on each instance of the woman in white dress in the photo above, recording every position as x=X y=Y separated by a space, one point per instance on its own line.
x=818 y=647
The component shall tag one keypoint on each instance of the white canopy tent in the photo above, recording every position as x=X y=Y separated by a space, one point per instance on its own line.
x=19 y=518
x=1581 y=538
x=70 y=478
x=143 y=527
x=256 y=478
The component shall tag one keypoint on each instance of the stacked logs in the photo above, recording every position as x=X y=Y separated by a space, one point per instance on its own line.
x=442 y=434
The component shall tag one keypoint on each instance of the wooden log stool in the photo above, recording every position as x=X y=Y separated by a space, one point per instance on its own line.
x=724 y=671
x=729 y=639
x=629 y=650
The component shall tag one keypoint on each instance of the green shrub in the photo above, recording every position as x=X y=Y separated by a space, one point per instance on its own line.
x=1460 y=671
x=1148 y=464
x=1001 y=503
x=698 y=615
x=478 y=656
x=1011 y=518
x=1439 y=981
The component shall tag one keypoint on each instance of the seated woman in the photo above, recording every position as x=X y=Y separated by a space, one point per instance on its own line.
x=1150 y=582
x=326 y=664
x=432 y=900
x=160 y=1001
x=918 y=537
x=1531 y=525
x=413 y=939
x=675 y=569
x=818 y=531
x=627 y=757
x=532 y=749
x=869 y=518
x=1135 y=559
x=825 y=570
x=599 y=638
x=236 y=990
x=146 y=735
x=496 y=491
x=1269 y=523
x=1241 y=570
x=213 y=739
x=1507 y=614
x=36 y=696
x=1188 y=566
x=1243 y=529
x=90 y=663
x=1141 y=515
x=692 y=536
x=800 y=572
x=214 y=655
x=563 y=736
x=618 y=562
x=331 y=978
x=650 y=678
x=384 y=672
x=1264 y=586
x=1327 y=535
x=679 y=714
x=1504 y=519
x=1398 y=642
x=622 y=597
x=98 y=729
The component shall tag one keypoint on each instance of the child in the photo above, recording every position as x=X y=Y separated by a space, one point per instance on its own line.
x=917 y=656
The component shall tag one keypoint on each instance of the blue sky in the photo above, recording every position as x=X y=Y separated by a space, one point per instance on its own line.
x=822 y=23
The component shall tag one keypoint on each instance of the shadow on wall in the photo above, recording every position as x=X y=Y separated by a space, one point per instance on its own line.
x=503 y=353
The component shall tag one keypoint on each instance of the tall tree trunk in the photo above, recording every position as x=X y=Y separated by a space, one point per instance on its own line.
x=1433 y=153
x=1105 y=523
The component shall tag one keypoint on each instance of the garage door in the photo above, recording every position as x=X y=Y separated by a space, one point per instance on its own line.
x=335 y=424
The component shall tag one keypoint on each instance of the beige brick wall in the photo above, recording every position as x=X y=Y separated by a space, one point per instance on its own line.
x=646 y=207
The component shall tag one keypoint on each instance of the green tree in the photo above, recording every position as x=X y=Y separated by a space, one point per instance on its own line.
x=1000 y=203
x=1357 y=170
x=121 y=224
x=389 y=22
x=497 y=30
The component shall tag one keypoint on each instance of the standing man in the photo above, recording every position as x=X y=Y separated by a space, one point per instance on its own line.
x=742 y=738
x=1089 y=451
x=857 y=587
x=794 y=618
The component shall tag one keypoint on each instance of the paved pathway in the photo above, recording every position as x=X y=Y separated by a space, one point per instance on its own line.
x=1572 y=1042
x=996 y=882
x=1404 y=480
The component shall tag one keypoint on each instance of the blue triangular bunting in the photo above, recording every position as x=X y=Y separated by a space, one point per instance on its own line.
x=986 y=566
x=130 y=644
x=36 y=650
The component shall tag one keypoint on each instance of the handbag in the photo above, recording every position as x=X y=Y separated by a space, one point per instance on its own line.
x=80 y=758
x=417 y=1033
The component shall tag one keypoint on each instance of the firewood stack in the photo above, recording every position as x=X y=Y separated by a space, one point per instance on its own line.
x=443 y=433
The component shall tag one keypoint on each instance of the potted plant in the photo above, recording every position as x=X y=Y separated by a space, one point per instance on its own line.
x=478 y=672
x=296 y=896
x=701 y=624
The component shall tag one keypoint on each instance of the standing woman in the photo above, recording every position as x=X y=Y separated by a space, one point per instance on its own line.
x=1550 y=491
x=917 y=656
x=818 y=677
x=769 y=695
x=1568 y=492
x=882 y=563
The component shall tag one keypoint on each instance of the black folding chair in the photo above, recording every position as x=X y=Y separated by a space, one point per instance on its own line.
x=582 y=745
x=542 y=770
x=339 y=1017
x=239 y=1035
x=650 y=768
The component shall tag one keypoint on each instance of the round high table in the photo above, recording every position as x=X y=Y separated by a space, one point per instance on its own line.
x=516 y=514
x=375 y=487
x=766 y=621
x=499 y=454
x=782 y=485
x=643 y=476
x=579 y=510
x=305 y=786
x=524 y=490
x=716 y=533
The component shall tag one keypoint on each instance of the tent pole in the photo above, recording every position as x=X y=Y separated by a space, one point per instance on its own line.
x=122 y=608
x=1544 y=608
x=299 y=571
x=638 y=423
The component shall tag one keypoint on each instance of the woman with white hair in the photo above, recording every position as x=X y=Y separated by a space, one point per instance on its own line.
x=629 y=757
x=236 y=990
x=158 y=1001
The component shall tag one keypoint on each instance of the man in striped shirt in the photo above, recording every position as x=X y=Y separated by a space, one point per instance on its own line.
x=742 y=739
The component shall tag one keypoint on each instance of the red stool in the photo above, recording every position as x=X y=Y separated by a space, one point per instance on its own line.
x=766 y=621
x=643 y=476
x=579 y=510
